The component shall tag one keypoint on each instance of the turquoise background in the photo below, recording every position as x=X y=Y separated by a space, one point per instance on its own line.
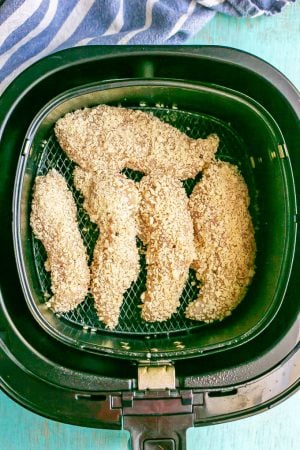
x=274 y=39
x=276 y=429
x=277 y=40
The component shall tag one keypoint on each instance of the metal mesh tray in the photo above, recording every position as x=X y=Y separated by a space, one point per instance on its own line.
x=195 y=125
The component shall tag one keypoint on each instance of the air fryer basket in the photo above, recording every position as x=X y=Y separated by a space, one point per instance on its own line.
x=249 y=138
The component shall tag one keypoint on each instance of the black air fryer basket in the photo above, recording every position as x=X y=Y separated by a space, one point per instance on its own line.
x=157 y=379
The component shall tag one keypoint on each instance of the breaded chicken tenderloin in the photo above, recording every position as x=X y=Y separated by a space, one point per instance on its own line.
x=225 y=242
x=53 y=220
x=107 y=136
x=167 y=230
x=112 y=202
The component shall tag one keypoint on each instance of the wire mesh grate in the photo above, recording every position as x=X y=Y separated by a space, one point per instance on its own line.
x=194 y=125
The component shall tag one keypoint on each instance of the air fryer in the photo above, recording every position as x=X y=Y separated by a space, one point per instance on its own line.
x=155 y=380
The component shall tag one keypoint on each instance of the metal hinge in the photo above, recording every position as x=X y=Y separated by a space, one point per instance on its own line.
x=156 y=377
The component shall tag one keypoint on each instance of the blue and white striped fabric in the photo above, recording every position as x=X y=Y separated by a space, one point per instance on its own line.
x=32 y=29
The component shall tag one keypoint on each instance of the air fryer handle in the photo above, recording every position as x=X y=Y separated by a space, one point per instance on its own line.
x=158 y=432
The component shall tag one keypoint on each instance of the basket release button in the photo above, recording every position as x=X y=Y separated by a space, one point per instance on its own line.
x=159 y=444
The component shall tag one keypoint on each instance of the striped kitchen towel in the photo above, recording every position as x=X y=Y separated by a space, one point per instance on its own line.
x=31 y=29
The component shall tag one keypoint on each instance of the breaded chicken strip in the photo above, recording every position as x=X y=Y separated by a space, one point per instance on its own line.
x=53 y=220
x=167 y=230
x=107 y=136
x=112 y=202
x=225 y=242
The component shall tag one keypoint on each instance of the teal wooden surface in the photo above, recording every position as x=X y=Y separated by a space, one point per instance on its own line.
x=277 y=40
x=276 y=429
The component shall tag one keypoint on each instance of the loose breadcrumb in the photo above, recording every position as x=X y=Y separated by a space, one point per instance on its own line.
x=166 y=228
x=112 y=202
x=225 y=243
x=53 y=220
x=114 y=138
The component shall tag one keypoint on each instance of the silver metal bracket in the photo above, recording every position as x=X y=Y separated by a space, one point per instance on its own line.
x=156 y=377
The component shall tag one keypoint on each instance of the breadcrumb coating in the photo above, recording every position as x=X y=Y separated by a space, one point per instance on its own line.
x=53 y=220
x=115 y=138
x=167 y=230
x=225 y=242
x=112 y=202
x=212 y=231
